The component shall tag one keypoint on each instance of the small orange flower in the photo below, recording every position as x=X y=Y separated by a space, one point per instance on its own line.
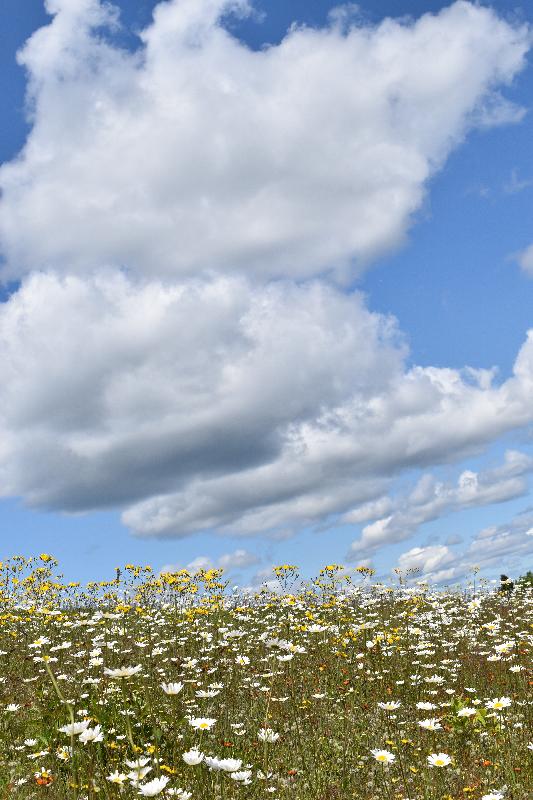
x=44 y=780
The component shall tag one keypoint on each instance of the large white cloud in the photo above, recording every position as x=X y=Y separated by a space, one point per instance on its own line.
x=197 y=153
x=219 y=404
x=115 y=390
x=152 y=361
x=431 y=499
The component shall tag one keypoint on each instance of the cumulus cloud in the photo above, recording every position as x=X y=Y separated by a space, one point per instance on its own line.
x=510 y=543
x=426 y=559
x=153 y=360
x=431 y=499
x=507 y=547
x=424 y=416
x=371 y=510
x=196 y=154
x=229 y=562
x=114 y=390
x=218 y=404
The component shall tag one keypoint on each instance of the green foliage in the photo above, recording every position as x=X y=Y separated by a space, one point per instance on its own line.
x=527 y=579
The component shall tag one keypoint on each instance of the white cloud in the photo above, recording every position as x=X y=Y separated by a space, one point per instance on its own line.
x=197 y=564
x=116 y=391
x=426 y=559
x=237 y=560
x=367 y=511
x=424 y=416
x=183 y=389
x=498 y=548
x=215 y=404
x=197 y=154
x=229 y=562
x=431 y=499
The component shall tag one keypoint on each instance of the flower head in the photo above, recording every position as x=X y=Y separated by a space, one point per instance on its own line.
x=498 y=703
x=172 y=688
x=439 y=760
x=202 y=723
x=123 y=672
x=431 y=724
x=117 y=777
x=383 y=756
x=193 y=757
x=226 y=764
x=267 y=735
x=153 y=787
x=466 y=712
x=243 y=776
x=92 y=735
x=75 y=728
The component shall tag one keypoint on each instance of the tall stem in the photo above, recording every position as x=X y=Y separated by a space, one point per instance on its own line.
x=73 y=770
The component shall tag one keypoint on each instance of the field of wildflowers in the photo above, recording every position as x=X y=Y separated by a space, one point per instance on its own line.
x=173 y=686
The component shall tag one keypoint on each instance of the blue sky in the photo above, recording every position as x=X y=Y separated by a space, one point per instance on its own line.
x=98 y=462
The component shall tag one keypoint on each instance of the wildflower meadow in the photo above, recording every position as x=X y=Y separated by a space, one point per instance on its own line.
x=175 y=685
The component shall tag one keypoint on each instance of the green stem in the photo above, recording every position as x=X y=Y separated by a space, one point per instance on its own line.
x=73 y=769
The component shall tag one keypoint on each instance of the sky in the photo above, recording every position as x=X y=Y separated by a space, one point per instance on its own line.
x=266 y=280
